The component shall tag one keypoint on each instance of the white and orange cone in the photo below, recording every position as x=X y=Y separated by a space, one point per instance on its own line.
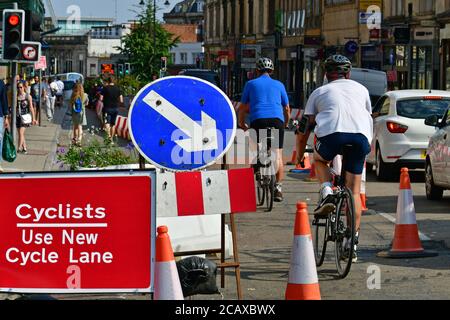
x=293 y=158
x=303 y=282
x=406 y=242
x=305 y=169
x=363 y=190
x=167 y=281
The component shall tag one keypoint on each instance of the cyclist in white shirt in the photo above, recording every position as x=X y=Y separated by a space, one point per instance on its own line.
x=341 y=112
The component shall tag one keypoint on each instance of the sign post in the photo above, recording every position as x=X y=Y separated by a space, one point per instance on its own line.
x=84 y=238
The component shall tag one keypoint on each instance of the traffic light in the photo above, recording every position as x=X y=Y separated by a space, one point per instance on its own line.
x=13 y=26
x=15 y=48
x=120 y=69
x=127 y=69
x=53 y=65
x=164 y=63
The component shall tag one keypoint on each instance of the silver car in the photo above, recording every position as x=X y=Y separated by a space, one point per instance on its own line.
x=437 y=168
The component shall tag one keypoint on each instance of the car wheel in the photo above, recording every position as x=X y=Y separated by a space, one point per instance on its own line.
x=433 y=192
x=383 y=171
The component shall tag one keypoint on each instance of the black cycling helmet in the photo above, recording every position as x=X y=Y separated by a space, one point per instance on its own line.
x=265 y=64
x=338 y=63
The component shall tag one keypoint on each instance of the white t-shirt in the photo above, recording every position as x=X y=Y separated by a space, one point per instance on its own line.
x=60 y=85
x=341 y=106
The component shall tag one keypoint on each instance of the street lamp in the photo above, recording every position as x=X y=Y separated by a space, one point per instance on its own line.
x=166 y=3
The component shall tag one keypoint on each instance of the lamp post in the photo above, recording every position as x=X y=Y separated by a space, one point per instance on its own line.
x=166 y=3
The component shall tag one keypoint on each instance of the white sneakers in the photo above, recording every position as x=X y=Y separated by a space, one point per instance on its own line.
x=325 y=207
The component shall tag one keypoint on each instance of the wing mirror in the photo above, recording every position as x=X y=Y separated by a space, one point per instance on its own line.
x=432 y=121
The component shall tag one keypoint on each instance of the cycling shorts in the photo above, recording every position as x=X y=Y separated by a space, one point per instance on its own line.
x=330 y=146
x=261 y=126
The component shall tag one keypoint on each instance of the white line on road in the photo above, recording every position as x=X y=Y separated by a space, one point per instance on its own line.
x=392 y=219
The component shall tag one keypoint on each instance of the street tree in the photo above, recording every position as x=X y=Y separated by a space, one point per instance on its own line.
x=146 y=44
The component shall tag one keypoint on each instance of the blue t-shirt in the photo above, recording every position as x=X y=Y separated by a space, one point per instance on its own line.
x=267 y=97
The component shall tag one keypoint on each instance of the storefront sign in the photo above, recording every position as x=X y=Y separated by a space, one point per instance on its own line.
x=423 y=34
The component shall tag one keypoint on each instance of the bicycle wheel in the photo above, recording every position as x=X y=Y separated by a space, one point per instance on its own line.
x=320 y=227
x=345 y=233
x=270 y=192
x=260 y=188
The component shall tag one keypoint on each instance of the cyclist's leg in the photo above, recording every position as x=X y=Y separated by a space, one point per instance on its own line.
x=354 y=166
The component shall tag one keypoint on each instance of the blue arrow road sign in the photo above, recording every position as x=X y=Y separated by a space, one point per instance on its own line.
x=182 y=123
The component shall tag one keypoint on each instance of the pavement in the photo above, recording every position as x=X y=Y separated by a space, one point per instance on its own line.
x=265 y=239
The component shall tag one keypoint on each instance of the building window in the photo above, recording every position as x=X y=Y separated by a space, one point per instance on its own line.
x=173 y=58
x=183 y=58
x=426 y=6
x=68 y=66
x=398 y=8
x=250 y=17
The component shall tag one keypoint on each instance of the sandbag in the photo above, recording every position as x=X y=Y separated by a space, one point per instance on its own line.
x=197 y=276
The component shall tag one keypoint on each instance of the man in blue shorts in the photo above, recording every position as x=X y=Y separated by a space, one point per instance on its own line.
x=342 y=113
x=267 y=102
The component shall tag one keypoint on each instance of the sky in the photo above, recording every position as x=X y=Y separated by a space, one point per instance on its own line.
x=107 y=8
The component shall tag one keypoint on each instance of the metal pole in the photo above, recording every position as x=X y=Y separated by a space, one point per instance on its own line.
x=40 y=97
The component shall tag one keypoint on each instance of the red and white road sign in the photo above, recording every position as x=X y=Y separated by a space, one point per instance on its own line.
x=30 y=53
x=77 y=233
x=41 y=64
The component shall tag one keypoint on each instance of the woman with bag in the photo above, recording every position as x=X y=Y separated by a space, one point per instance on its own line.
x=26 y=116
x=78 y=103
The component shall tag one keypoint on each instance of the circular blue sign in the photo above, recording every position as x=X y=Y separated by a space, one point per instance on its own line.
x=182 y=123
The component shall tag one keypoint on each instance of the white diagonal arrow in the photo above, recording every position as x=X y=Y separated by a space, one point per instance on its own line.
x=201 y=137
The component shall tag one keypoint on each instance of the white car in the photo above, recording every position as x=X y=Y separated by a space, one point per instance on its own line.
x=400 y=134
x=437 y=168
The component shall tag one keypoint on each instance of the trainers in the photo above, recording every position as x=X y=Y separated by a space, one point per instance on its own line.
x=326 y=203
x=355 y=249
x=278 y=196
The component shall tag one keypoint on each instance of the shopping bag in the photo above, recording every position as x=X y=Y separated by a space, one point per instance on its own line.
x=9 y=150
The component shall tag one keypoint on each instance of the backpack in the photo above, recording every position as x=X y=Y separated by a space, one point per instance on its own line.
x=78 y=106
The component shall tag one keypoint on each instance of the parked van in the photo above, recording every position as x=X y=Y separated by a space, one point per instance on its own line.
x=71 y=76
x=375 y=81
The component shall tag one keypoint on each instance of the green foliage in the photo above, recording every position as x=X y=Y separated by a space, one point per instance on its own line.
x=90 y=83
x=144 y=53
x=94 y=155
x=129 y=85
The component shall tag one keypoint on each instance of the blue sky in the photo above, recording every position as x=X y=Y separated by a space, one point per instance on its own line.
x=107 y=8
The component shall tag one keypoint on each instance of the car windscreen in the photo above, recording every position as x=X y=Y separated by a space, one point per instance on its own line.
x=422 y=108
x=68 y=85
x=210 y=77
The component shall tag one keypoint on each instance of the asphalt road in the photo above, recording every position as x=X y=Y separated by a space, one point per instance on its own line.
x=265 y=242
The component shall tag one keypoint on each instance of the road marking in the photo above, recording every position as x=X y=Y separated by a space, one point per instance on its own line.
x=392 y=219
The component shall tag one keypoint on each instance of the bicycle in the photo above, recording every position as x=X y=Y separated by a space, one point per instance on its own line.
x=338 y=226
x=264 y=173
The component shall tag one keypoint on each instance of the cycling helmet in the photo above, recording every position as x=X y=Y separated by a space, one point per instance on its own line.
x=338 y=63
x=264 y=64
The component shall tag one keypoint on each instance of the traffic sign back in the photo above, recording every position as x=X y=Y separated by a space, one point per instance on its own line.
x=182 y=123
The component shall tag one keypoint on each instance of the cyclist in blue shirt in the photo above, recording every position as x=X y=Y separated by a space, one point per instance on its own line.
x=267 y=102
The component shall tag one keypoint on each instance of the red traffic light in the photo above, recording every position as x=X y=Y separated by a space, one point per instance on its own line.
x=14 y=20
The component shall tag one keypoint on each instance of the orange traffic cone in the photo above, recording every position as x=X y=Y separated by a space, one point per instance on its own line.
x=167 y=281
x=312 y=174
x=406 y=242
x=305 y=169
x=363 y=190
x=303 y=282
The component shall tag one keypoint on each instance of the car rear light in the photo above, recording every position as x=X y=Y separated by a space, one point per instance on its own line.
x=396 y=128
x=432 y=98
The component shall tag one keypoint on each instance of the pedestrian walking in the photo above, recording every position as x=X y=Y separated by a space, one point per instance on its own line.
x=54 y=90
x=35 y=95
x=47 y=99
x=112 y=98
x=26 y=115
x=4 y=115
x=78 y=104
x=60 y=92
